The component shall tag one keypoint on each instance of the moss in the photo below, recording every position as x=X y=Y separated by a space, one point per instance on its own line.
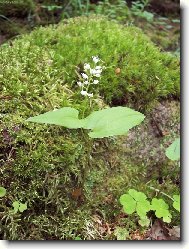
x=145 y=73
x=44 y=165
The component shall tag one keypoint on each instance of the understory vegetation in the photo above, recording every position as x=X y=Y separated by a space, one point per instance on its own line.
x=49 y=193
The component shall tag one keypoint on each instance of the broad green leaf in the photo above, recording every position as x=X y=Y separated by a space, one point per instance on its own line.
x=143 y=207
x=121 y=233
x=144 y=221
x=158 y=204
x=138 y=196
x=129 y=204
x=167 y=218
x=161 y=209
x=66 y=116
x=176 y=203
x=22 y=207
x=2 y=191
x=104 y=123
x=16 y=206
x=173 y=151
x=112 y=121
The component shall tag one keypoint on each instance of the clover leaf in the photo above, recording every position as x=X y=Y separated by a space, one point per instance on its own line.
x=121 y=233
x=161 y=209
x=129 y=204
x=135 y=201
x=2 y=191
x=22 y=207
x=15 y=206
x=144 y=221
x=18 y=206
x=176 y=203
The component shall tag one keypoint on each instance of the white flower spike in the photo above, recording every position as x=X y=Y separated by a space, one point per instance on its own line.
x=89 y=76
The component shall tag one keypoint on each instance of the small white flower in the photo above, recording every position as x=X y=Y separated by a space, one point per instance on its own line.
x=98 y=71
x=84 y=93
x=79 y=83
x=98 y=67
x=85 y=76
x=90 y=95
x=95 y=59
x=86 y=66
x=86 y=82
x=92 y=71
x=95 y=81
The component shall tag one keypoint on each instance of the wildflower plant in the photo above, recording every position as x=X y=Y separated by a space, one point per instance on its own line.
x=102 y=123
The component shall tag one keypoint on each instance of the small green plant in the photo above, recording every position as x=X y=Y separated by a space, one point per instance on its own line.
x=137 y=202
x=138 y=10
x=2 y=191
x=103 y=123
x=121 y=233
x=19 y=207
x=161 y=209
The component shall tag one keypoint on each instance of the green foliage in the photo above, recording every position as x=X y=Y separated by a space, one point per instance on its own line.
x=176 y=203
x=144 y=221
x=114 y=10
x=19 y=207
x=173 y=151
x=112 y=121
x=67 y=117
x=53 y=54
x=103 y=123
x=121 y=233
x=161 y=209
x=138 y=10
x=137 y=202
x=44 y=164
x=2 y=191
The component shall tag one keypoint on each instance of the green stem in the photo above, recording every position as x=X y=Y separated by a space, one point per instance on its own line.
x=157 y=190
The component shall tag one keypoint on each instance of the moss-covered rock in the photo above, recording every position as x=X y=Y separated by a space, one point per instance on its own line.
x=51 y=55
x=45 y=166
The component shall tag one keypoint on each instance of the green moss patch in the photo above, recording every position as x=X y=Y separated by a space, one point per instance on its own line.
x=44 y=166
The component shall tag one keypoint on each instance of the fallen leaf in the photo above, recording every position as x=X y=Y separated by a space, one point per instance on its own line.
x=159 y=231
